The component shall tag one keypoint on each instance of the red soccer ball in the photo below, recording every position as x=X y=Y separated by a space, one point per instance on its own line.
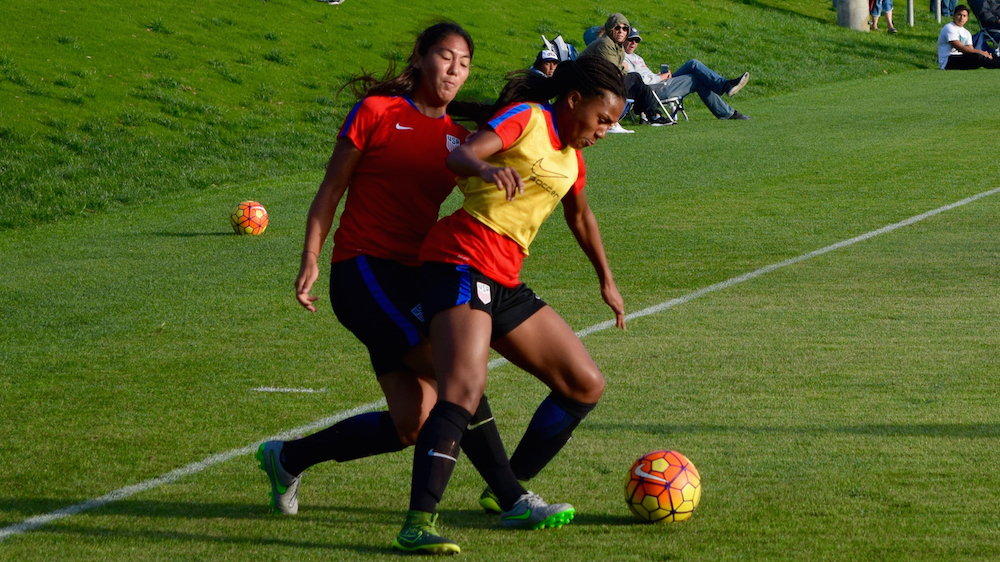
x=663 y=486
x=249 y=217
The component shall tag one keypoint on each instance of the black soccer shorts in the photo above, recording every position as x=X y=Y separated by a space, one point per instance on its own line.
x=444 y=285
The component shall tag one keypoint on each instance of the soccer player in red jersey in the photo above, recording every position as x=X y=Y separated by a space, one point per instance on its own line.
x=389 y=160
x=513 y=175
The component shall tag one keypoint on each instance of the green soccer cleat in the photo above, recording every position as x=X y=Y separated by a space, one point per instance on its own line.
x=284 y=486
x=531 y=513
x=420 y=535
x=489 y=501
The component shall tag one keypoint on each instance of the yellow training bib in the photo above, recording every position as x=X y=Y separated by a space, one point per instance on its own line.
x=548 y=175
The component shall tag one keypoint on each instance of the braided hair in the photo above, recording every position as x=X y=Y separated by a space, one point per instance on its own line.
x=590 y=75
x=366 y=84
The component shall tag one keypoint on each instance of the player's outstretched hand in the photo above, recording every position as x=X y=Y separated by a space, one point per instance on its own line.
x=614 y=299
x=308 y=274
x=507 y=179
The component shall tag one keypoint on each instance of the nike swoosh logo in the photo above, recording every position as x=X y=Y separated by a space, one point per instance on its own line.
x=524 y=515
x=643 y=474
x=433 y=453
x=402 y=128
x=537 y=169
x=484 y=422
x=281 y=489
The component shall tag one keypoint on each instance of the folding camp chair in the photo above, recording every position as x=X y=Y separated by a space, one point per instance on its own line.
x=669 y=108
x=562 y=49
x=672 y=106
x=628 y=107
x=987 y=13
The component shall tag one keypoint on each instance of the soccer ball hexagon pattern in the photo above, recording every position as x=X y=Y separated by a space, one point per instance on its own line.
x=663 y=487
x=249 y=217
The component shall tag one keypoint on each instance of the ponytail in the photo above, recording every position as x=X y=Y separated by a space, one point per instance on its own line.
x=590 y=75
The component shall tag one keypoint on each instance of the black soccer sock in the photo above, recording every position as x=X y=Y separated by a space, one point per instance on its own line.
x=363 y=435
x=484 y=447
x=551 y=427
x=435 y=454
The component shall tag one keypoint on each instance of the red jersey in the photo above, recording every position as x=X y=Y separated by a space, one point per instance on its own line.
x=399 y=184
x=461 y=238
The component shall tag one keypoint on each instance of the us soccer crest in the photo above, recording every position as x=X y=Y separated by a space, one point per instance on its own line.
x=418 y=311
x=452 y=142
x=483 y=292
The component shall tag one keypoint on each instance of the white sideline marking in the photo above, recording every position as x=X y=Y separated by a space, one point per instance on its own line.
x=768 y=269
x=279 y=389
x=174 y=475
x=193 y=468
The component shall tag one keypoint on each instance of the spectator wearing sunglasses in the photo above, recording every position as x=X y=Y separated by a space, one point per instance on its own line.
x=692 y=76
x=610 y=46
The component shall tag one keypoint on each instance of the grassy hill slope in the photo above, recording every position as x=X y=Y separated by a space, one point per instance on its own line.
x=110 y=103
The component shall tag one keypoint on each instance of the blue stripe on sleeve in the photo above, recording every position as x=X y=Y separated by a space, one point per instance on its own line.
x=350 y=118
x=412 y=336
x=499 y=119
x=552 y=117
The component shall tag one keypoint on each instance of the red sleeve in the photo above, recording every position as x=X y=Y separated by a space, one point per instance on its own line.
x=360 y=123
x=581 y=179
x=510 y=122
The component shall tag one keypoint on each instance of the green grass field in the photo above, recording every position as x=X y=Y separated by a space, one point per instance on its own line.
x=841 y=408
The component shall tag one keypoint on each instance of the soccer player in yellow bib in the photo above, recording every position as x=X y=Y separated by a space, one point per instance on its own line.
x=514 y=172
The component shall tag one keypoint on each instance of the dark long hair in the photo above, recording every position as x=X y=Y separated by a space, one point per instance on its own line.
x=590 y=75
x=390 y=84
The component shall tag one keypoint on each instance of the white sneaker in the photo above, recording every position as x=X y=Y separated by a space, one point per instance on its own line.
x=617 y=128
x=284 y=486
x=531 y=512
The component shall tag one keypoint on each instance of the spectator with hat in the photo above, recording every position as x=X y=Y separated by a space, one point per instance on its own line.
x=692 y=76
x=609 y=46
x=545 y=63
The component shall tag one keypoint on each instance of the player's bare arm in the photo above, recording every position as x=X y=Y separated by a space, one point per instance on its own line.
x=469 y=160
x=582 y=222
x=321 y=213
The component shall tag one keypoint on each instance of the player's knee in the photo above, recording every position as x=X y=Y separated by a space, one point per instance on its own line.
x=409 y=429
x=466 y=394
x=588 y=386
x=408 y=437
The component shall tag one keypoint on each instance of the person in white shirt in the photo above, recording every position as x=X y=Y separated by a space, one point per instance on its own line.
x=692 y=76
x=955 y=50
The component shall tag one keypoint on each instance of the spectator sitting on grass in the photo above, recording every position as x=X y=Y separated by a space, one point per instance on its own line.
x=545 y=63
x=692 y=76
x=955 y=50
x=610 y=46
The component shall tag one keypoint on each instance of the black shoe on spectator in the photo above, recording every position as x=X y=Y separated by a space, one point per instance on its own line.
x=661 y=121
x=732 y=87
x=738 y=115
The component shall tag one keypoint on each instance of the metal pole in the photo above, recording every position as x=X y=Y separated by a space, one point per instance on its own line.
x=909 y=12
x=937 y=10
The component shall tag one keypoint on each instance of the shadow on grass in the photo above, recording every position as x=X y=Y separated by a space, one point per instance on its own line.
x=192 y=234
x=876 y=51
x=213 y=513
x=23 y=508
x=784 y=11
x=971 y=431
x=185 y=537
x=29 y=507
x=604 y=520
